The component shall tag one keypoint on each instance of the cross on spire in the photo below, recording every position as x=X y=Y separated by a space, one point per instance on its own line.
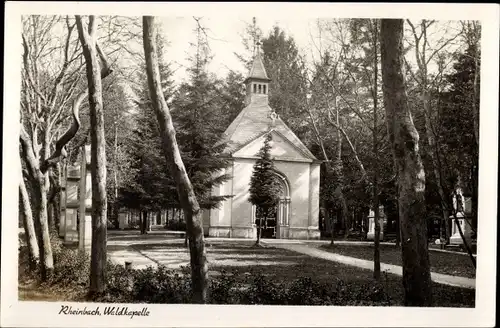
x=273 y=116
x=257 y=49
x=255 y=36
x=257 y=70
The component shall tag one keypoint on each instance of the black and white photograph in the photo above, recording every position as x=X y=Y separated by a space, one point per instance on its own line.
x=249 y=164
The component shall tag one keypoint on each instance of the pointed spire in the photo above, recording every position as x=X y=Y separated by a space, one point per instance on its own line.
x=258 y=71
x=257 y=81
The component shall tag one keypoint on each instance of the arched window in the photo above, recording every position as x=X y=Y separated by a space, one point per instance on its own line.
x=260 y=88
x=264 y=88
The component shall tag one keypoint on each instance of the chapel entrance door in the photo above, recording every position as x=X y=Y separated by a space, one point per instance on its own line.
x=268 y=223
x=276 y=224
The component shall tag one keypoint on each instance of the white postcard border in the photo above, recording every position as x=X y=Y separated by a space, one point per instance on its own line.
x=41 y=314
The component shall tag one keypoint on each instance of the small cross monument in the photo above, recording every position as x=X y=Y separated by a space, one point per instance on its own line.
x=462 y=209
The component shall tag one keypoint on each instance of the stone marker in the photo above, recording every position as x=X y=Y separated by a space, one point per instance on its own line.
x=85 y=201
x=371 y=224
x=462 y=205
x=123 y=220
x=72 y=204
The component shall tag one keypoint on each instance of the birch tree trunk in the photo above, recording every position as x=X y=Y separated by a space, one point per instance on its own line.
x=187 y=198
x=29 y=226
x=411 y=176
x=328 y=218
x=339 y=172
x=422 y=78
x=98 y=154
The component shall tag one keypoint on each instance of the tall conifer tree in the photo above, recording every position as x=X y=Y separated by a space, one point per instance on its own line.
x=264 y=186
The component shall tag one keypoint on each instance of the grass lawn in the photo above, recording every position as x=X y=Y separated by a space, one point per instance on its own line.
x=242 y=260
x=446 y=263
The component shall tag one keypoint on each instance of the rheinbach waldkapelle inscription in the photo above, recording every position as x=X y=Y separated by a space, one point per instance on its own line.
x=107 y=310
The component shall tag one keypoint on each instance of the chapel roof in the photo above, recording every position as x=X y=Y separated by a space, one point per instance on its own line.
x=254 y=121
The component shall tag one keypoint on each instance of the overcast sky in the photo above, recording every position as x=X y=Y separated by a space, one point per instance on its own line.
x=225 y=38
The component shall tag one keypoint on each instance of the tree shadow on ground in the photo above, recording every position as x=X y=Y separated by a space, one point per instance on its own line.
x=138 y=237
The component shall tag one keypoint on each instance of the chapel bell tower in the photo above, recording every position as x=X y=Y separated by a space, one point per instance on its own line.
x=257 y=82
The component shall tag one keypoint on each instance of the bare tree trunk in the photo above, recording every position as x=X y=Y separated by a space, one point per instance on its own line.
x=143 y=220
x=411 y=176
x=52 y=206
x=150 y=221
x=464 y=240
x=344 y=211
x=423 y=81
x=50 y=215
x=187 y=197
x=376 y=252
x=98 y=154
x=115 y=177
x=46 y=256
x=398 y=228
x=475 y=107
x=29 y=226
x=364 y=222
x=56 y=204
x=47 y=224
x=331 y=222
x=339 y=172
x=475 y=111
x=353 y=149
x=474 y=200
x=433 y=152
x=457 y=192
x=328 y=219
x=40 y=199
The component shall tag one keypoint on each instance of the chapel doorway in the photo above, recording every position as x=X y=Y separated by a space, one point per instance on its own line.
x=276 y=223
x=268 y=223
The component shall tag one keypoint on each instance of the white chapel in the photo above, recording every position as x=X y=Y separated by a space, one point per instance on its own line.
x=297 y=214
